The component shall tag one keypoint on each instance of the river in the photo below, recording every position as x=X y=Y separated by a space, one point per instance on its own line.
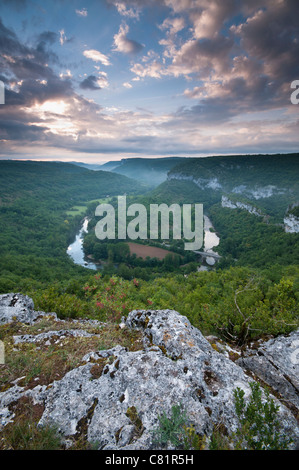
x=75 y=249
x=211 y=240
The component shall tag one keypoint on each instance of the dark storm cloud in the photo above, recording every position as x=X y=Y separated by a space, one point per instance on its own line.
x=17 y=131
x=29 y=66
x=23 y=61
x=42 y=51
x=9 y=42
x=29 y=81
x=44 y=40
x=272 y=36
x=248 y=67
x=235 y=96
x=203 y=56
x=48 y=37
x=90 y=83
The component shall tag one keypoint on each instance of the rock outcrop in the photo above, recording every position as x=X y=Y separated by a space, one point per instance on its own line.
x=202 y=183
x=291 y=219
x=218 y=184
x=276 y=363
x=291 y=223
x=226 y=202
x=115 y=396
x=20 y=308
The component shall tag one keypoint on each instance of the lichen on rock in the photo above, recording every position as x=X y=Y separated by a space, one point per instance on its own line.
x=114 y=397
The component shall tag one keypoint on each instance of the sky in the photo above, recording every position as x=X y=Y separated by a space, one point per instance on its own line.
x=100 y=80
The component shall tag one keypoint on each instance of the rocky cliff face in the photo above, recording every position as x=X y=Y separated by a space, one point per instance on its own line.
x=255 y=192
x=115 y=395
x=291 y=223
x=202 y=183
x=226 y=202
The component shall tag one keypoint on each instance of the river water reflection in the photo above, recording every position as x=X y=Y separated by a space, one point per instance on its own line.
x=211 y=240
x=75 y=249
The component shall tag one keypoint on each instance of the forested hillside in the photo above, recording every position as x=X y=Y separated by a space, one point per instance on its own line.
x=37 y=220
x=270 y=181
x=60 y=180
x=251 y=291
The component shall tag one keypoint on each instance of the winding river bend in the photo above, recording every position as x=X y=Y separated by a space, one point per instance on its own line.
x=211 y=240
x=75 y=249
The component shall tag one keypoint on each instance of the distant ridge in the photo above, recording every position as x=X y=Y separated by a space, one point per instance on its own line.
x=89 y=166
x=152 y=171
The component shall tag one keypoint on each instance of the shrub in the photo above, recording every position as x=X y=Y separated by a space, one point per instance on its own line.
x=170 y=429
x=259 y=427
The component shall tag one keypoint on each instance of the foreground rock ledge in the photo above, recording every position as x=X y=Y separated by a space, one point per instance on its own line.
x=119 y=407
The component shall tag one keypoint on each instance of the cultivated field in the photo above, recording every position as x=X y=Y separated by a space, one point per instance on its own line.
x=142 y=251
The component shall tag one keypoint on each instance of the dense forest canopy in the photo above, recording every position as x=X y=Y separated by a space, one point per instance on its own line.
x=270 y=181
x=42 y=205
x=281 y=169
x=61 y=179
x=36 y=225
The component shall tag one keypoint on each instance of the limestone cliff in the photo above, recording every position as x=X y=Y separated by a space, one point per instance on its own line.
x=291 y=223
x=226 y=202
x=291 y=219
x=114 y=396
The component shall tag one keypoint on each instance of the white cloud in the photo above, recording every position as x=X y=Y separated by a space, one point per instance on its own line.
x=173 y=25
x=240 y=76
x=123 y=44
x=151 y=55
x=102 y=80
x=67 y=74
x=82 y=12
x=128 y=12
x=153 y=70
x=62 y=37
x=96 y=56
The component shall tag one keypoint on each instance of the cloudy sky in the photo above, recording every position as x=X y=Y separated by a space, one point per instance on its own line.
x=99 y=80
